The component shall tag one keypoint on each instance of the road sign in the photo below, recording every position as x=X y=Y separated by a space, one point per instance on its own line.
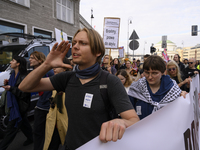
x=134 y=45
x=134 y=36
x=164 y=41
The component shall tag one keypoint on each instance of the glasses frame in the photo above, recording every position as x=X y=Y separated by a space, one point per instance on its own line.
x=172 y=69
x=153 y=74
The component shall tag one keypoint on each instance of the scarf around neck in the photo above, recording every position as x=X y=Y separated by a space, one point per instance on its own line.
x=88 y=72
x=12 y=101
x=140 y=91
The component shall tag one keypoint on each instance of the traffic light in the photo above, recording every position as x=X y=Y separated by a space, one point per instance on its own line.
x=194 y=30
x=152 y=49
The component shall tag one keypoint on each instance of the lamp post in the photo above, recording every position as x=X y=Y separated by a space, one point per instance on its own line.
x=129 y=22
x=91 y=16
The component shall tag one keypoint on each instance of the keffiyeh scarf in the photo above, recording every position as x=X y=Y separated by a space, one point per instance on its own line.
x=139 y=91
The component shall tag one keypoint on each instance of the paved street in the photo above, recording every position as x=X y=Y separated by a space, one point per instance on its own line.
x=17 y=144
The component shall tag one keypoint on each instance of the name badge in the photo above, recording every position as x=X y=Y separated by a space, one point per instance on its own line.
x=87 y=100
x=138 y=110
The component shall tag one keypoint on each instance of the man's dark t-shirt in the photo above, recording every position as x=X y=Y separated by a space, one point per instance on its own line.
x=86 y=118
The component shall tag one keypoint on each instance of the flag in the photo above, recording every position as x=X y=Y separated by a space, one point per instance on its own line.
x=164 y=53
x=121 y=52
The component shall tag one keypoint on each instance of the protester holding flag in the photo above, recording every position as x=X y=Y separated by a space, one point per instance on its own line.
x=155 y=90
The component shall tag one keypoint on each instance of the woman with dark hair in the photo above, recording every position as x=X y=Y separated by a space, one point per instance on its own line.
x=155 y=90
x=18 y=104
x=116 y=63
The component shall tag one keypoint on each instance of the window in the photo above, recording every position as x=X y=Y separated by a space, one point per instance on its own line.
x=43 y=33
x=65 y=10
x=6 y=54
x=22 y=2
x=6 y=27
x=69 y=53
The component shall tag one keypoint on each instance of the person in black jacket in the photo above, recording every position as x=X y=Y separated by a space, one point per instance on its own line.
x=18 y=103
x=180 y=64
x=190 y=71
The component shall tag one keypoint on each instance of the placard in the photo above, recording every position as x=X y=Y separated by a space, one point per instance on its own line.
x=111 y=32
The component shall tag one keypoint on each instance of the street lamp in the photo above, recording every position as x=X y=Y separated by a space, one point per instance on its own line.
x=129 y=22
x=91 y=16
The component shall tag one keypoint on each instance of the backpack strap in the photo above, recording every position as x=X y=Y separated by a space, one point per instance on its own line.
x=104 y=94
x=103 y=87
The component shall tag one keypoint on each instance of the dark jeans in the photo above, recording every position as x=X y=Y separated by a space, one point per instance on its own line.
x=11 y=131
x=55 y=141
x=39 y=128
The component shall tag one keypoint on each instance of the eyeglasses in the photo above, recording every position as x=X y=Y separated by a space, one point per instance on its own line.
x=31 y=58
x=190 y=62
x=170 y=69
x=153 y=74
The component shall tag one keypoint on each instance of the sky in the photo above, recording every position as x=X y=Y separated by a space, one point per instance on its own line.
x=151 y=19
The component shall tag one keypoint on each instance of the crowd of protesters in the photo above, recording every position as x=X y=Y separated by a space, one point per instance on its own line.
x=71 y=109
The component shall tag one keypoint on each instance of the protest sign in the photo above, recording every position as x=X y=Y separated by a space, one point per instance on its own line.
x=111 y=32
x=60 y=35
x=121 y=52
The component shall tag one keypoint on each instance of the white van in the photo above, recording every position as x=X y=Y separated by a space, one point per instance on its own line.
x=12 y=44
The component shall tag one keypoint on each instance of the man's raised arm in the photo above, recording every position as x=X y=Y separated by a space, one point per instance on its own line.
x=34 y=81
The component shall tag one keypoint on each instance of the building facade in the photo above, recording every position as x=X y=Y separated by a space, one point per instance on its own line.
x=41 y=17
x=184 y=52
x=190 y=52
x=171 y=49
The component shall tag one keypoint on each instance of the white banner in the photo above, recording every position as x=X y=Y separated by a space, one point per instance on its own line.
x=111 y=32
x=111 y=37
x=174 y=127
